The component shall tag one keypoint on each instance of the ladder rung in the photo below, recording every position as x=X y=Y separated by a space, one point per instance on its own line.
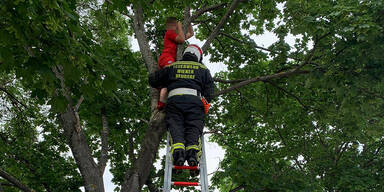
x=181 y=183
x=186 y=167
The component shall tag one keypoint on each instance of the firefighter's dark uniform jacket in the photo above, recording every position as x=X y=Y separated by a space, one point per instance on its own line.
x=185 y=113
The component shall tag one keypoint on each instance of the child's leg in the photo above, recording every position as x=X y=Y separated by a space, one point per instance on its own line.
x=163 y=98
x=164 y=61
x=163 y=95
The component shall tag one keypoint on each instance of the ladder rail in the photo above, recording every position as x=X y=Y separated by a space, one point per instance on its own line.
x=203 y=180
x=203 y=168
x=168 y=168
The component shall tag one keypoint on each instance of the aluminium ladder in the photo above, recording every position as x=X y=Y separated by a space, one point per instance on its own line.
x=203 y=181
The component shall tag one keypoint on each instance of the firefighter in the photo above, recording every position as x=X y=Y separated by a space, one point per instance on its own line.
x=190 y=89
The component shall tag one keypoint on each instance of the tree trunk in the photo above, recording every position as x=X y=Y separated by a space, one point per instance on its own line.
x=138 y=175
x=93 y=179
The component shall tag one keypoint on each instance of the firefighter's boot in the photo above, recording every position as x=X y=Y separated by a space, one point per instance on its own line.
x=192 y=159
x=178 y=159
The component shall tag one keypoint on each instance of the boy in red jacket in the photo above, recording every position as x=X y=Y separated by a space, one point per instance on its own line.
x=173 y=36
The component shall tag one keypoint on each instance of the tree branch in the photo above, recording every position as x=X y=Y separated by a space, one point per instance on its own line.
x=340 y=152
x=67 y=94
x=7 y=184
x=131 y=144
x=205 y=9
x=228 y=81
x=215 y=131
x=262 y=78
x=325 y=146
x=33 y=170
x=371 y=161
x=312 y=52
x=285 y=143
x=144 y=120
x=254 y=45
x=277 y=75
x=220 y=25
x=64 y=89
x=217 y=39
x=289 y=93
x=180 y=47
x=103 y=159
x=108 y=1
x=371 y=93
x=79 y=103
x=11 y=96
x=138 y=26
x=238 y=188
x=246 y=42
x=128 y=15
x=14 y=181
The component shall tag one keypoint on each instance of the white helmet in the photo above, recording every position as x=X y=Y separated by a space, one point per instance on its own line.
x=194 y=50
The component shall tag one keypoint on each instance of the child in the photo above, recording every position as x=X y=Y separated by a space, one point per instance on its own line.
x=173 y=36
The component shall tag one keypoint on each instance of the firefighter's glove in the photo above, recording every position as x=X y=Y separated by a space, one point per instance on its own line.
x=206 y=105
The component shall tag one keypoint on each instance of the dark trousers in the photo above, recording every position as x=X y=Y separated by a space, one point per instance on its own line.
x=185 y=119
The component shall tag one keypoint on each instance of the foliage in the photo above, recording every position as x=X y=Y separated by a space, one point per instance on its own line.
x=94 y=55
x=319 y=130
x=310 y=132
x=33 y=147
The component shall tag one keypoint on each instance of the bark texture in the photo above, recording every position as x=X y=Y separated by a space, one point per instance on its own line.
x=70 y=122
x=89 y=170
x=138 y=175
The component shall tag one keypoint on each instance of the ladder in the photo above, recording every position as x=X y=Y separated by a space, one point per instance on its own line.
x=203 y=181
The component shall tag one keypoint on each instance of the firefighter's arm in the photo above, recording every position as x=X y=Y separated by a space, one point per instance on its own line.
x=208 y=91
x=159 y=79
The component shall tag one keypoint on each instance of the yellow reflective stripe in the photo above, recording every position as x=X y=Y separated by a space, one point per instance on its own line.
x=193 y=147
x=177 y=146
x=188 y=63
x=196 y=147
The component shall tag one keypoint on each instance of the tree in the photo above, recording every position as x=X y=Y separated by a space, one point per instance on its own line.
x=312 y=112
x=43 y=44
